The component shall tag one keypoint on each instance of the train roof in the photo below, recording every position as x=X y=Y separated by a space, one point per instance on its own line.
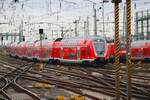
x=14 y=43
x=44 y=42
x=107 y=39
x=139 y=43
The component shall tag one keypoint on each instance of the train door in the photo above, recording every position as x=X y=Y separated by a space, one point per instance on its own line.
x=25 y=50
x=145 y=50
x=42 y=53
x=148 y=50
x=56 y=52
x=46 y=49
x=110 y=50
x=49 y=52
x=84 y=53
x=78 y=53
x=35 y=53
x=140 y=52
x=30 y=50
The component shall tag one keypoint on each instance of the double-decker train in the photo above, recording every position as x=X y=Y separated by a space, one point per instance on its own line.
x=140 y=50
x=89 y=50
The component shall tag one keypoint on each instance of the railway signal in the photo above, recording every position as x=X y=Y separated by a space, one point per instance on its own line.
x=41 y=66
x=2 y=40
x=117 y=44
x=128 y=40
x=23 y=38
x=40 y=31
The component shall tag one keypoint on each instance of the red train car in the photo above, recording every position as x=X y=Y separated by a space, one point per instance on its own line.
x=94 y=49
x=42 y=50
x=122 y=52
x=56 y=50
x=13 y=49
x=87 y=50
x=140 y=50
x=28 y=52
x=21 y=48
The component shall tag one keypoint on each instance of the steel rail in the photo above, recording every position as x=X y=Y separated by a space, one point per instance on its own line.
x=106 y=77
x=11 y=82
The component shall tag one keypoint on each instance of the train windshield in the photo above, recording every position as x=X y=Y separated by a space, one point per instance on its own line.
x=99 y=47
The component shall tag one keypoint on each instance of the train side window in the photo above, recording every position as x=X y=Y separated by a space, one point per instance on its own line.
x=72 y=53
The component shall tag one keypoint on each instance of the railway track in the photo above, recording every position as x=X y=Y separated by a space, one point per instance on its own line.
x=59 y=84
x=80 y=79
x=108 y=80
x=86 y=86
x=9 y=88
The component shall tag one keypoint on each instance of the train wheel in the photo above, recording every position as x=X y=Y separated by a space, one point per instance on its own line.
x=106 y=61
x=85 y=63
x=35 y=60
x=122 y=60
x=111 y=60
x=54 y=62
x=147 y=60
x=57 y=62
x=50 y=61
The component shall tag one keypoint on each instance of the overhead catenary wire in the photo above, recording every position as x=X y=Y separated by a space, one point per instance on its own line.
x=65 y=7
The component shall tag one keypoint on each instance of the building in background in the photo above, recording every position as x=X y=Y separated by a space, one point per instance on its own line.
x=142 y=25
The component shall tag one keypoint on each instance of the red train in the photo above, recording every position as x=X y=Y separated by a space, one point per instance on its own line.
x=72 y=50
x=140 y=50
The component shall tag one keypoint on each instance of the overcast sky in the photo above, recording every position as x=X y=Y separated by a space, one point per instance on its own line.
x=60 y=13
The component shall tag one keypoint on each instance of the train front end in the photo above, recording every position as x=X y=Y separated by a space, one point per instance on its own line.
x=103 y=49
